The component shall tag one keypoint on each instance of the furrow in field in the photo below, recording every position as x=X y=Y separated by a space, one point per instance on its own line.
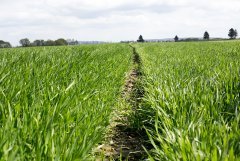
x=125 y=142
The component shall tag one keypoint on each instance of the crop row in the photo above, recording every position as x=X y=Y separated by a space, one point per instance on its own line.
x=55 y=102
x=191 y=104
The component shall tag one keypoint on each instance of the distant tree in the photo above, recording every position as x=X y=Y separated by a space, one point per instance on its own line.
x=38 y=43
x=49 y=43
x=75 y=42
x=61 y=42
x=25 y=42
x=191 y=39
x=206 y=35
x=35 y=43
x=236 y=33
x=232 y=33
x=42 y=42
x=140 y=39
x=4 y=44
x=176 y=38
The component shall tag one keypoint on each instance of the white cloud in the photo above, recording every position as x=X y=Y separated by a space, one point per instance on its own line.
x=115 y=20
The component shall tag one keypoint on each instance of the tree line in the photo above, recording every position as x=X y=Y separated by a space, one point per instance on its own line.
x=232 y=34
x=4 y=44
x=59 y=42
x=26 y=42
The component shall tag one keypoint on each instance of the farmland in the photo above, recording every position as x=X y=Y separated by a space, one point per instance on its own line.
x=56 y=102
x=191 y=104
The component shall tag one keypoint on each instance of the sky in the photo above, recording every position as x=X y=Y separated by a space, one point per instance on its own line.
x=116 y=20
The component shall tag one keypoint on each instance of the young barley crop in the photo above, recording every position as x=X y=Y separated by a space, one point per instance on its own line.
x=55 y=101
x=192 y=100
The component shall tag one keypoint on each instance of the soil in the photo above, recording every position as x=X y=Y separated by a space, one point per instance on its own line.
x=124 y=142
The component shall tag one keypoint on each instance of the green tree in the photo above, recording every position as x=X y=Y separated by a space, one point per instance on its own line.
x=4 y=44
x=49 y=43
x=38 y=43
x=140 y=39
x=236 y=33
x=176 y=38
x=25 y=42
x=206 y=35
x=61 y=42
x=232 y=33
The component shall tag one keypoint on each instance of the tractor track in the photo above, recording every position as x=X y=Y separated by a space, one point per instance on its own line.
x=125 y=142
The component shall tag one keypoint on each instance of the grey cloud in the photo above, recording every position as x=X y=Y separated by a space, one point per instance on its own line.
x=83 y=13
x=156 y=8
x=82 y=20
x=35 y=10
x=19 y=22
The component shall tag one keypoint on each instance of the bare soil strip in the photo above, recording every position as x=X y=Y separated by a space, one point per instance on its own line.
x=124 y=142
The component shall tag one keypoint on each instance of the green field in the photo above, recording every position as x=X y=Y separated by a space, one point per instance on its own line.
x=191 y=103
x=56 y=102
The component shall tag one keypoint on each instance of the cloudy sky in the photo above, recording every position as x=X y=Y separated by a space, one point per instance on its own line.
x=115 y=20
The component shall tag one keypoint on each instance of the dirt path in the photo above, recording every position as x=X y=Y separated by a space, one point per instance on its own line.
x=125 y=142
